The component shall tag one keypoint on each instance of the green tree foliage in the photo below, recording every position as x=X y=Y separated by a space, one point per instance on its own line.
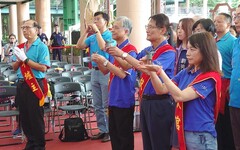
x=213 y=3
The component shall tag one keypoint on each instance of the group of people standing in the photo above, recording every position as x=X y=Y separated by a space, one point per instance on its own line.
x=183 y=89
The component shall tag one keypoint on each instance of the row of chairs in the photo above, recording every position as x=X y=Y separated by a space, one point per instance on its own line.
x=65 y=83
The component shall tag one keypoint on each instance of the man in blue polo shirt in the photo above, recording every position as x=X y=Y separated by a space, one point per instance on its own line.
x=234 y=104
x=31 y=63
x=99 y=82
x=121 y=87
x=157 y=111
x=224 y=43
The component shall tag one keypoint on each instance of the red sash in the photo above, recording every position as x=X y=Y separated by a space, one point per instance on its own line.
x=179 y=107
x=128 y=48
x=32 y=82
x=144 y=77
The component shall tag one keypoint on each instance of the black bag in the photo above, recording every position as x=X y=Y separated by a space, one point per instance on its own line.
x=73 y=130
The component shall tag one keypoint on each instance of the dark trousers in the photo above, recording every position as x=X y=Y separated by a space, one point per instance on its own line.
x=121 y=128
x=224 y=130
x=235 y=121
x=31 y=117
x=157 y=118
x=57 y=52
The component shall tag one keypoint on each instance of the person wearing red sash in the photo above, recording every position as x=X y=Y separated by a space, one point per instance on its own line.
x=31 y=62
x=156 y=111
x=121 y=86
x=196 y=90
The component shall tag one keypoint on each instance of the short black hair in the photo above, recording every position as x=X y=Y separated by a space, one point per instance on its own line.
x=227 y=16
x=161 y=21
x=104 y=15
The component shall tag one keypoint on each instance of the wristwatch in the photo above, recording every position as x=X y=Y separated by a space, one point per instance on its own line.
x=124 y=55
x=105 y=63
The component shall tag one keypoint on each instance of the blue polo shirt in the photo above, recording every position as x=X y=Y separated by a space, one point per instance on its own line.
x=225 y=46
x=38 y=52
x=122 y=91
x=166 y=60
x=235 y=77
x=92 y=43
x=199 y=112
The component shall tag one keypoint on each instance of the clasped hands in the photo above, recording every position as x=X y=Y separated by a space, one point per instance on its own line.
x=20 y=54
x=92 y=28
x=98 y=58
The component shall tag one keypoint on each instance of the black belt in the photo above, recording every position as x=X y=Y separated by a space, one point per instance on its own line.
x=155 y=97
x=22 y=80
x=95 y=68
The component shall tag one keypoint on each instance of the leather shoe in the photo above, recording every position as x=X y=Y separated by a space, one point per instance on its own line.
x=98 y=136
x=106 y=137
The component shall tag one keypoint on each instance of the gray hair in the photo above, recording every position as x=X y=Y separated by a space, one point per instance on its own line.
x=126 y=23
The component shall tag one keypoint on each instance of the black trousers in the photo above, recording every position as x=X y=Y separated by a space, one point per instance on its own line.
x=157 y=118
x=224 y=130
x=31 y=116
x=121 y=128
x=57 y=52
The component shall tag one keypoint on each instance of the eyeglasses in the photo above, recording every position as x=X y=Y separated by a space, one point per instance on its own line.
x=149 y=27
x=97 y=19
x=236 y=18
x=116 y=27
x=26 y=27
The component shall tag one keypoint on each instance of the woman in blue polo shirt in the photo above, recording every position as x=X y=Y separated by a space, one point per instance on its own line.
x=196 y=90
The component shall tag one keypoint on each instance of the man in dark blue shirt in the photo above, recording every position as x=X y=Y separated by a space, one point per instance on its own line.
x=42 y=36
x=57 y=41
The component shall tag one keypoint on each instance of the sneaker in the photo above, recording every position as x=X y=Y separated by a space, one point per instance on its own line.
x=106 y=138
x=17 y=131
x=98 y=136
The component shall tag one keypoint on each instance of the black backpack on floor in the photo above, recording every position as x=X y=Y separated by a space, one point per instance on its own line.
x=73 y=130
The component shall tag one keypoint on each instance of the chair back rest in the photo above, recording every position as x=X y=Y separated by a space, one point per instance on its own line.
x=59 y=64
x=5 y=67
x=51 y=74
x=7 y=91
x=67 y=87
x=85 y=81
x=12 y=77
x=59 y=79
x=4 y=83
x=8 y=72
x=71 y=73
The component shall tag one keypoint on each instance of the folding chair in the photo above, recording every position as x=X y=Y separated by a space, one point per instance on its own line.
x=60 y=64
x=8 y=92
x=84 y=70
x=4 y=103
x=85 y=82
x=8 y=72
x=68 y=67
x=2 y=77
x=53 y=61
x=12 y=78
x=71 y=74
x=68 y=88
x=5 y=67
x=51 y=74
